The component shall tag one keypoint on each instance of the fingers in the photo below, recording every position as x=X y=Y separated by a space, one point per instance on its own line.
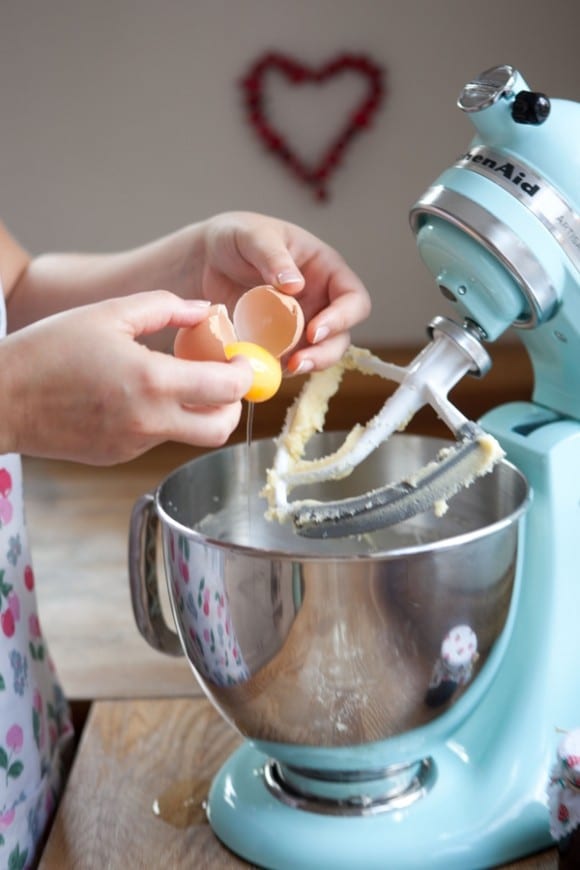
x=334 y=299
x=207 y=400
x=348 y=301
x=266 y=250
x=327 y=333
x=197 y=403
x=196 y=384
x=344 y=311
x=145 y=313
x=320 y=356
x=203 y=426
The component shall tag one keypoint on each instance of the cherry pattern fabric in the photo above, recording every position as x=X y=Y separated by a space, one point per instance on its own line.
x=201 y=599
x=35 y=726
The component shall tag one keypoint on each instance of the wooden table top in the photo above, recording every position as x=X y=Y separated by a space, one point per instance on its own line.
x=150 y=763
x=78 y=521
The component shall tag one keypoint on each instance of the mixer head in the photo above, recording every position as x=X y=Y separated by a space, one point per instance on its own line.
x=500 y=233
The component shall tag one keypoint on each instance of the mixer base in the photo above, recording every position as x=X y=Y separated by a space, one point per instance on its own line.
x=350 y=793
x=488 y=803
x=270 y=833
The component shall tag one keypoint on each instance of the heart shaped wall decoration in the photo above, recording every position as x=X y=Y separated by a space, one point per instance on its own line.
x=359 y=118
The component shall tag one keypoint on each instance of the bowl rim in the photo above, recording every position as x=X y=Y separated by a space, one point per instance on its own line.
x=380 y=554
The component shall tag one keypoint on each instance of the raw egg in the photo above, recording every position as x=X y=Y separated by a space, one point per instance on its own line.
x=266 y=325
x=267 y=369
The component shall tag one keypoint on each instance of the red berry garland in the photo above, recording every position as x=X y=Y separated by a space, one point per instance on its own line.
x=297 y=73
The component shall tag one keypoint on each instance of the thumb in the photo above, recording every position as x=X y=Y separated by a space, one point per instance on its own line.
x=154 y=310
x=267 y=252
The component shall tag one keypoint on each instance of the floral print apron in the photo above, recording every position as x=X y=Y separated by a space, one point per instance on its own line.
x=35 y=727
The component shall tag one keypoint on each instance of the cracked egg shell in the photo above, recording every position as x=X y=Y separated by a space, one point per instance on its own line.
x=207 y=339
x=262 y=316
x=273 y=320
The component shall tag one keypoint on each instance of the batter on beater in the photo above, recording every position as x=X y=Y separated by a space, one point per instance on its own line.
x=425 y=381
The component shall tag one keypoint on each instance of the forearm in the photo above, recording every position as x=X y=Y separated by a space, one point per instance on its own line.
x=55 y=282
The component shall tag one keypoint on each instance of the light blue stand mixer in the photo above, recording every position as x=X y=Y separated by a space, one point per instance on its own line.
x=500 y=232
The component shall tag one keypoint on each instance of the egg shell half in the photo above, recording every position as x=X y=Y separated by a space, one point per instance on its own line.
x=207 y=339
x=271 y=319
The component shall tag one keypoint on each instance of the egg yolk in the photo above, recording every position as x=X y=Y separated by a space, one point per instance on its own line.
x=267 y=369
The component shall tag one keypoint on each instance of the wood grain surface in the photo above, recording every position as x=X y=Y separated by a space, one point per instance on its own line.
x=135 y=755
x=131 y=755
x=78 y=519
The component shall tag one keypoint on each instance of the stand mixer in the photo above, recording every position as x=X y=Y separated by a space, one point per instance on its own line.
x=500 y=232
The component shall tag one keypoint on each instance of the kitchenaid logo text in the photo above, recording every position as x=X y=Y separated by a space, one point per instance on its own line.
x=543 y=200
x=569 y=231
x=510 y=171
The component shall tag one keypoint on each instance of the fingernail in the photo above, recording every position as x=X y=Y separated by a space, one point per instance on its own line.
x=304 y=366
x=200 y=303
x=320 y=334
x=288 y=278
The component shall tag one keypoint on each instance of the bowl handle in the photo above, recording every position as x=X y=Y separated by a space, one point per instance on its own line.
x=144 y=581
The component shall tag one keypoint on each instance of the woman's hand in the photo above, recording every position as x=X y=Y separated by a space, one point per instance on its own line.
x=242 y=249
x=79 y=386
x=76 y=383
x=217 y=259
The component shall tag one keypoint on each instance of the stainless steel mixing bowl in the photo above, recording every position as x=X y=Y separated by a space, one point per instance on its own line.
x=326 y=643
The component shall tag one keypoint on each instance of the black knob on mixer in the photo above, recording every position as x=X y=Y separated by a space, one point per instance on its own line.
x=530 y=108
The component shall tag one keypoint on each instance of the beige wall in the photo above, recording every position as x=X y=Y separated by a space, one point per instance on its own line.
x=122 y=120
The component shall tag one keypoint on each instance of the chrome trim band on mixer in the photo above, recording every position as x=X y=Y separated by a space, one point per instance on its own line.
x=469 y=343
x=533 y=191
x=501 y=241
x=393 y=788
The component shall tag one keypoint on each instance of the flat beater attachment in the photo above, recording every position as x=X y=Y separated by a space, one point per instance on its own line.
x=452 y=353
x=431 y=487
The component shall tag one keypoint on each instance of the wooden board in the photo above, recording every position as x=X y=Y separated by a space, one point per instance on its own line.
x=78 y=520
x=133 y=754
